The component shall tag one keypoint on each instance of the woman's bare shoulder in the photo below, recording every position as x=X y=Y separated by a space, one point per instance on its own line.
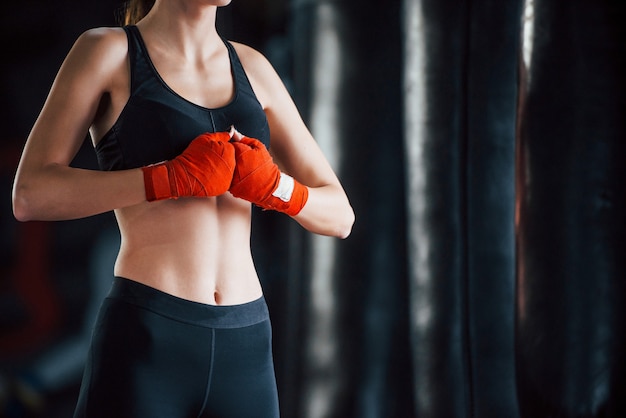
x=253 y=61
x=97 y=54
x=103 y=40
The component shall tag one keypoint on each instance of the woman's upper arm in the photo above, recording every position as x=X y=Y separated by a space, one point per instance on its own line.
x=292 y=145
x=296 y=152
x=85 y=75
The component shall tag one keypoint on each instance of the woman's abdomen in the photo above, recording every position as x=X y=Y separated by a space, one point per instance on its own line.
x=194 y=248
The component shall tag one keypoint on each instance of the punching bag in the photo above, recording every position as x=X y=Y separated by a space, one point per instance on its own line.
x=571 y=173
x=460 y=81
x=353 y=342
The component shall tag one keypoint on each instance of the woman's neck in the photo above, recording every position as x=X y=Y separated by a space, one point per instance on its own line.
x=188 y=27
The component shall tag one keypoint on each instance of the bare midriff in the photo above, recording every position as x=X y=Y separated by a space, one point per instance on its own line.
x=193 y=248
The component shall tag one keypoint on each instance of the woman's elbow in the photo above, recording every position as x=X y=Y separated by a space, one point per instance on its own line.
x=23 y=205
x=345 y=228
x=342 y=227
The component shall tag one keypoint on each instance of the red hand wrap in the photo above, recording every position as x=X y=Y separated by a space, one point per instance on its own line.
x=204 y=169
x=256 y=177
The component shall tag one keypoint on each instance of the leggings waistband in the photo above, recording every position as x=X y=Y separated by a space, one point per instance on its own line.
x=212 y=316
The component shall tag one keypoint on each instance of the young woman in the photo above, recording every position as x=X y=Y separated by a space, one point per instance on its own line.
x=185 y=330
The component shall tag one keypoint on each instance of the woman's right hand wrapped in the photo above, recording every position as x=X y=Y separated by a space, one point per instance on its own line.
x=204 y=169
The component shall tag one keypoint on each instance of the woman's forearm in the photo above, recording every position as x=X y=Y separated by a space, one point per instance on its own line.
x=58 y=192
x=327 y=212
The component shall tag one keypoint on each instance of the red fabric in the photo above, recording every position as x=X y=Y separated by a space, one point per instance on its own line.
x=256 y=177
x=204 y=169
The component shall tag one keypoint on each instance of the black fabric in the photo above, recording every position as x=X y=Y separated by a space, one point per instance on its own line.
x=570 y=333
x=460 y=114
x=156 y=355
x=157 y=124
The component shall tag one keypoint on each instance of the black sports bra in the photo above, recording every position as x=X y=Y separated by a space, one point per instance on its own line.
x=157 y=124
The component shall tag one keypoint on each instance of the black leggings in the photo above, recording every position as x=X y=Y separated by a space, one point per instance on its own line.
x=154 y=355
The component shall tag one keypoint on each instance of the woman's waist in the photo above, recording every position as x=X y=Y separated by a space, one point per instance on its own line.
x=202 y=266
x=183 y=310
x=215 y=277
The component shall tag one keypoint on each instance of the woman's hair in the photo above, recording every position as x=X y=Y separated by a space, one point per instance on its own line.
x=134 y=10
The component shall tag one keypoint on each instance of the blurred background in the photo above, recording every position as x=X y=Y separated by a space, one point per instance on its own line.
x=482 y=145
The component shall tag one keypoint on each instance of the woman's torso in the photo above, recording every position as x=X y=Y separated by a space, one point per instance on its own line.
x=194 y=248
